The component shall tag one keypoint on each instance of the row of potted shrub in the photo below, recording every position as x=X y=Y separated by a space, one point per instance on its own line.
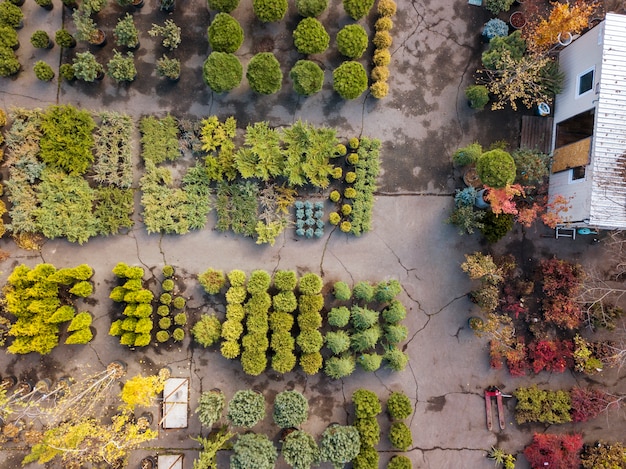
x=382 y=42
x=11 y=19
x=339 y=444
x=171 y=323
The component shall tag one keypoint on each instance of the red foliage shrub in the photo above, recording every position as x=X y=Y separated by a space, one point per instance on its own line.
x=561 y=282
x=516 y=360
x=588 y=403
x=554 y=451
x=496 y=357
x=551 y=355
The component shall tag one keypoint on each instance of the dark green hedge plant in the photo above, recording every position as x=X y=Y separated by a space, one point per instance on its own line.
x=225 y=33
x=269 y=11
x=352 y=41
x=264 y=74
x=223 y=5
x=311 y=8
x=350 y=80
x=43 y=71
x=222 y=72
x=310 y=37
x=9 y=65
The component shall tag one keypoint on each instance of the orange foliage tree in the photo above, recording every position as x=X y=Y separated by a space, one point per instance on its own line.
x=542 y=33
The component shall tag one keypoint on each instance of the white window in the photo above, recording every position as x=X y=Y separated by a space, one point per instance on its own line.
x=584 y=82
x=577 y=174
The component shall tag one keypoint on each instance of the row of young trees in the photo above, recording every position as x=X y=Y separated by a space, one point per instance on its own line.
x=286 y=319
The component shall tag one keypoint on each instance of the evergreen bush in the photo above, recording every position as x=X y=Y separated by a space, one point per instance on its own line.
x=222 y=72
x=40 y=40
x=300 y=450
x=225 y=33
x=246 y=408
x=339 y=445
x=207 y=330
x=308 y=8
x=253 y=450
x=352 y=41
x=339 y=367
x=357 y=9
x=43 y=71
x=399 y=406
x=310 y=37
x=269 y=11
x=210 y=407
x=400 y=436
x=223 y=5
x=291 y=409
x=496 y=168
x=350 y=80
x=264 y=74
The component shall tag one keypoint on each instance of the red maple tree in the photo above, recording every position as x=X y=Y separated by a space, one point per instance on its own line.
x=554 y=451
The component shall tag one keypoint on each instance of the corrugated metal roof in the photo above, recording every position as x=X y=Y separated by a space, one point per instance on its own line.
x=608 y=194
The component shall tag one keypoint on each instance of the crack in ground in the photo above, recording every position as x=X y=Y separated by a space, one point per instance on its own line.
x=278 y=254
x=430 y=316
x=345 y=400
x=407 y=270
x=96 y=353
x=324 y=251
x=161 y=249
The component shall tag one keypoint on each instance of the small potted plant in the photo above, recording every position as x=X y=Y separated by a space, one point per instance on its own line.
x=45 y=4
x=125 y=32
x=41 y=40
x=43 y=71
x=495 y=27
x=168 y=68
x=475 y=323
x=9 y=65
x=87 y=68
x=169 y=32
x=477 y=96
x=86 y=29
x=498 y=6
x=67 y=72
x=167 y=5
x=11 y=15
x=517 y=20
x=122 y=68
x=64 y=39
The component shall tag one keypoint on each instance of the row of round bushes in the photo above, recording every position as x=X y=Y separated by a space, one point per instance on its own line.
x=274 y=10
x=382 y=41
x=167 y=301
x=222 y=72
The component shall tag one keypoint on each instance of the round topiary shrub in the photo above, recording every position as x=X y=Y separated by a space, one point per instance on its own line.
x=383 y=23
x=162 y=336
x=334 y=218
x=400 y=462
x=379 y=89
x=222 y=72
x=380 y=73
x=223 y=5
x=179 y=302
x=40 y=40
x=496 y=168
x=400 y=436
x=269 y=11
x=212 y=281
x=67 y=72
x=352 y=41
x=382 y=39
x=345 y=226
x=350 y=80
x=246 y=408
x=399 y=406
x=382 y=57
x=225 y=33
x=165 y=323
x=357 y=9
x=468 y=154
x=264 y=75
x=163 y=310
x=309 y=8
x=167 y=285
x=165 y=299
x=168 y=271
x=307 y=77
x=180 y=319
x=387 y=7
x=178 y=335
x=310 y=37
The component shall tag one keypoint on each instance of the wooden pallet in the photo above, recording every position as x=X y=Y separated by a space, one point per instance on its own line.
x=536 y=133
